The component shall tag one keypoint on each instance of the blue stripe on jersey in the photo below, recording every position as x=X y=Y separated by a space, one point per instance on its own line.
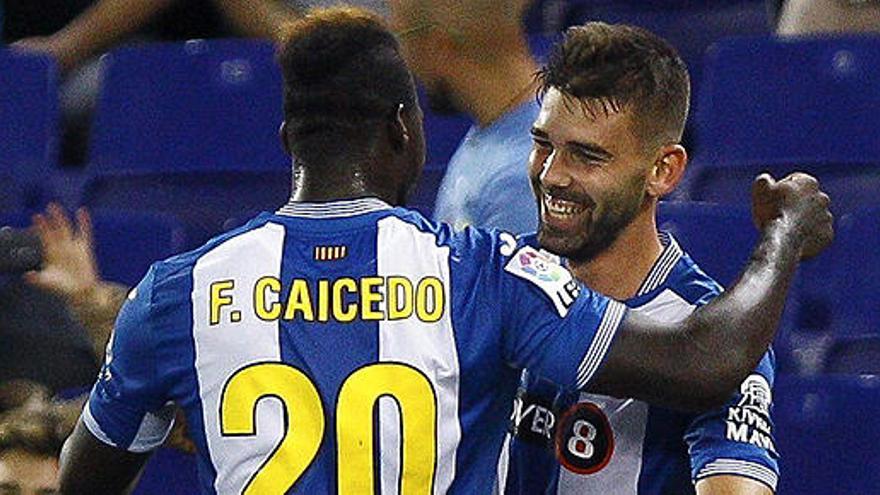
x=308 y=345
x=665 y=465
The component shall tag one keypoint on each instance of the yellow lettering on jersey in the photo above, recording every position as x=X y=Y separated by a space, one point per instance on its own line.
x=430 y=299
x=299 y=301
x=219 y=298
x=370 y=297
x=304 y=421
x=400 y=298
x=417 y=407
x=343 y=300
x=323 y=300
x=340 y=288
x=264 y=310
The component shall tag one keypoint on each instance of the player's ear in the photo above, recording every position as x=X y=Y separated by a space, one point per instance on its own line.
x=282 y=134
x=668 y=170
x=398 y=131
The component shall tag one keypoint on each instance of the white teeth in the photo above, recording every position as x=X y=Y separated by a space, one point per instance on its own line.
x=561 y=207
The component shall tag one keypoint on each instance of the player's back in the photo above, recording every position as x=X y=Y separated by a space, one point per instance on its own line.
x=348 y=347
x=346 y=323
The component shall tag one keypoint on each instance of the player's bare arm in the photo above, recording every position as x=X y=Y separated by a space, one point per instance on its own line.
x=731 y=485
x=698 y=362
x=91 y=466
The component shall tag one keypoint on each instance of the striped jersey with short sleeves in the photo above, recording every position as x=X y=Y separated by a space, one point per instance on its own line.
x=345 y=347
x=566 y=443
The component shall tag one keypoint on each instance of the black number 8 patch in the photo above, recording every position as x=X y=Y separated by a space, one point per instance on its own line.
x=584 y=439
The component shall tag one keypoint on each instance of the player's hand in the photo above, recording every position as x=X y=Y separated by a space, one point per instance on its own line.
x=69 y=268
x=797 y=199
x=54 y=46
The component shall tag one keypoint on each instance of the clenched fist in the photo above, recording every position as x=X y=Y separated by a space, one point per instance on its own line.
x=797 y=200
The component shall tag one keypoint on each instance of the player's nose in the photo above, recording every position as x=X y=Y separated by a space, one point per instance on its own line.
x=555 y=173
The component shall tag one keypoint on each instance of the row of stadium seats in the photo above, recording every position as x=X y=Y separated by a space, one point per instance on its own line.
x=212 y=108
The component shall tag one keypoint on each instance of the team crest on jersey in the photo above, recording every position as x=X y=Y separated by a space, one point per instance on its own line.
x=749 y=420
x=543 y=270
x=330 y=253
x=584 y=439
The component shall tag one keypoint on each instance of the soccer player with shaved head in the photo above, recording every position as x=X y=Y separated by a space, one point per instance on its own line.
x=346 y=344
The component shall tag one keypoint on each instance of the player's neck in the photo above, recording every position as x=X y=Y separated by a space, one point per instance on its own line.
x=344 y=184
x=489 y=91
x=620 y=270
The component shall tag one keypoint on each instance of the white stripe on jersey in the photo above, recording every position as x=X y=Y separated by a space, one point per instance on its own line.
x=334 y=209
x=599 y=348
x=628 y=419
x=663 y=266
x=737 y=467
x=429 y=347
x=224 y=348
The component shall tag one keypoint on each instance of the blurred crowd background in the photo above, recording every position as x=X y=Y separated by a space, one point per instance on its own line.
x=157 y=120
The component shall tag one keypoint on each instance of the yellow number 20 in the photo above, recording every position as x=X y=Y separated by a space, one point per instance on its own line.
x=304 y=424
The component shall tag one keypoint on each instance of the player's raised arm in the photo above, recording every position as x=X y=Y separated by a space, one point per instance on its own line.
x=698 y=362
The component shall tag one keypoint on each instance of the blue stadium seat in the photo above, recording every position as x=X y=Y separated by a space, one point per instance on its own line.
x=29 y=134
x=190 y=129
x=194 y=106
x=827 y=435
x=855 y=356
x=720 y=238
x=127 y=243
x=856 y=283
x=202 y=201
x=691 y=26
x=545 y=16
x=769 y=104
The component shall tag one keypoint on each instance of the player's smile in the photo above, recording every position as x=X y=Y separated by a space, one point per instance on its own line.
x=563 y=214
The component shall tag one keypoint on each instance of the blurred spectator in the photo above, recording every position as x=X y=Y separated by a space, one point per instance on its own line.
x=812 y=17
x=42 y=343
x=473 y=57
x=30 y=442
x=264 y=18
x=70 y=272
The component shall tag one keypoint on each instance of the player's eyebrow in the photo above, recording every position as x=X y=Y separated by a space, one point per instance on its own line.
x=592 y=149
x=585 y=147
x=538 y=133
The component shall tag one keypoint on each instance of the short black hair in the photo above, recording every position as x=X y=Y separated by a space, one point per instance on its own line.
x=623 y=67
x=343 y=73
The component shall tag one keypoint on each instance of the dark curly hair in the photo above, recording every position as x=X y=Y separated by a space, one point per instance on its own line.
x=343 y=73
x=615 y=67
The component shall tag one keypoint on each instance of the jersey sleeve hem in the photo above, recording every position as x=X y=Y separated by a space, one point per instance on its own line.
x=601 y=343
x=737 y=467
x=94 y=428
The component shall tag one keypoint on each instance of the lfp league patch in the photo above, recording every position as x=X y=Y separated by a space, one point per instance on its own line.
x=545 y=271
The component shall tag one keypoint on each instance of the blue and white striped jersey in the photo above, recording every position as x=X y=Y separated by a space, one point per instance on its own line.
x=344 y=347
x=572 y=443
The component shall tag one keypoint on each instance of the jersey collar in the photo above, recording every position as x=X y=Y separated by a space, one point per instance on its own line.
x=663 y=266
x=333 y=209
